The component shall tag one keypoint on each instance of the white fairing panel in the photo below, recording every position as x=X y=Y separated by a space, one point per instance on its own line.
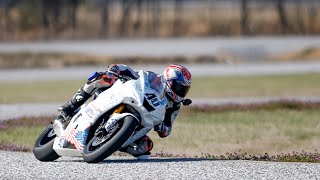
x=148 y=89
x=133 y=93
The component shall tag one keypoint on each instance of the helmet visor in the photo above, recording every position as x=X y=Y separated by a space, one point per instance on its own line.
x=179 y=89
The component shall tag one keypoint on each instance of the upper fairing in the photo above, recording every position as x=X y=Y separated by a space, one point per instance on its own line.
x=133 y=92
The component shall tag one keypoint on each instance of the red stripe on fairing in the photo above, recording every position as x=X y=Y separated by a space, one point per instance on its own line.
x=184 y=71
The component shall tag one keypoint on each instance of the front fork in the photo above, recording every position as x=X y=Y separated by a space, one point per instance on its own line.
x=119 y=109
x=115 y=117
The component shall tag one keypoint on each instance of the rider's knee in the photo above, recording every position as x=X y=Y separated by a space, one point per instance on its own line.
x=140 y=147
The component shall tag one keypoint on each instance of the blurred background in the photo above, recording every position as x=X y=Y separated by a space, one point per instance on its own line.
x=255 y=66
x=83 y=19
x=188 y=31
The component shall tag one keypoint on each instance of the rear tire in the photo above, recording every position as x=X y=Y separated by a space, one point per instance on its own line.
x=93 y=154
x=43 y=147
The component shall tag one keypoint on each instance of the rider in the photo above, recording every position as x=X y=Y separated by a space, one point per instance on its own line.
x=178 y=81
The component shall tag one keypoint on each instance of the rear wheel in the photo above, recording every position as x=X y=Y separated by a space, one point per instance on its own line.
x=43 y=147
x=103 y=145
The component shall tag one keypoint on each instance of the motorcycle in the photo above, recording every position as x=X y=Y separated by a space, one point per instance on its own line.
x=115 y=119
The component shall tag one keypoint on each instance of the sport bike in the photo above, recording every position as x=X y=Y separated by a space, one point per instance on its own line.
x=115 y=119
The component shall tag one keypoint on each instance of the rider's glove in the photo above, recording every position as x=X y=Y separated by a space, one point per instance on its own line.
x=186 y=102
x=162 y=130
x=96 y=81
x=94 y=77
x=158 y=127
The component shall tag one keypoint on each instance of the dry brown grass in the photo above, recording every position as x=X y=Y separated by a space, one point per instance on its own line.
x=255 y=132
x=312 y=53
x=276 y=128
x=53 y=60
x=271 y=105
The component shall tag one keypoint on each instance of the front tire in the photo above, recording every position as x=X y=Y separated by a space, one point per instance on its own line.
x=95 y=152
x=43 y=147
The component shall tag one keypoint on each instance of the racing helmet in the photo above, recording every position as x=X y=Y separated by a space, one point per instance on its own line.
x=178 y=81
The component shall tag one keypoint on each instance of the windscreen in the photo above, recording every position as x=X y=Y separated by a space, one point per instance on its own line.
x=156 y=82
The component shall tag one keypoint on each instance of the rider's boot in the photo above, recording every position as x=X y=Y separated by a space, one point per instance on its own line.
x=69 y=109
x=140 y=148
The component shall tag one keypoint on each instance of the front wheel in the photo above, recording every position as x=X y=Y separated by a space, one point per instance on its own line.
x=43 y=147
x=102 y=146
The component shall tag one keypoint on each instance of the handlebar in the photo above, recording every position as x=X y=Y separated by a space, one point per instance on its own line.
x=122 y=78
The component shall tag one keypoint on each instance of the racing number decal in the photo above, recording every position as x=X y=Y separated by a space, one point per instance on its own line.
x=153 y=98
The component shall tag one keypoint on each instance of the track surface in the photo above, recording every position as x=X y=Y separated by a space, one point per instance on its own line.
x=241 y=47
x=15 y=165
x=76 y=73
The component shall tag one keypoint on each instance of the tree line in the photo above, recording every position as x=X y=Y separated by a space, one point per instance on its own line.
x=280 y=8
x=155 y=17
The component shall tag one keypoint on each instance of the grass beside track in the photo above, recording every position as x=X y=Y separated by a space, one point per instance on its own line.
x=54 y=60
x=254 y=132
x=213 y=133
x=202 y=87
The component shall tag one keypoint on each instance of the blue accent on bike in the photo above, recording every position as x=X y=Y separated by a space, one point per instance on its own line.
x=163 y=102
x=82 y=136
x=92 y=76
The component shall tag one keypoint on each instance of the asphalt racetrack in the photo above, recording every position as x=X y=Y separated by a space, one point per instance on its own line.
x=246 y=47
x=18 y=165
x=244 y=69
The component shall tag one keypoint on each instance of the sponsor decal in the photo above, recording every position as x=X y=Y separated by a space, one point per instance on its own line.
x=95 y=108
x=89 y=112
x=75 y=137
x=79 y=98
x=61 y=142
x=163 y=102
